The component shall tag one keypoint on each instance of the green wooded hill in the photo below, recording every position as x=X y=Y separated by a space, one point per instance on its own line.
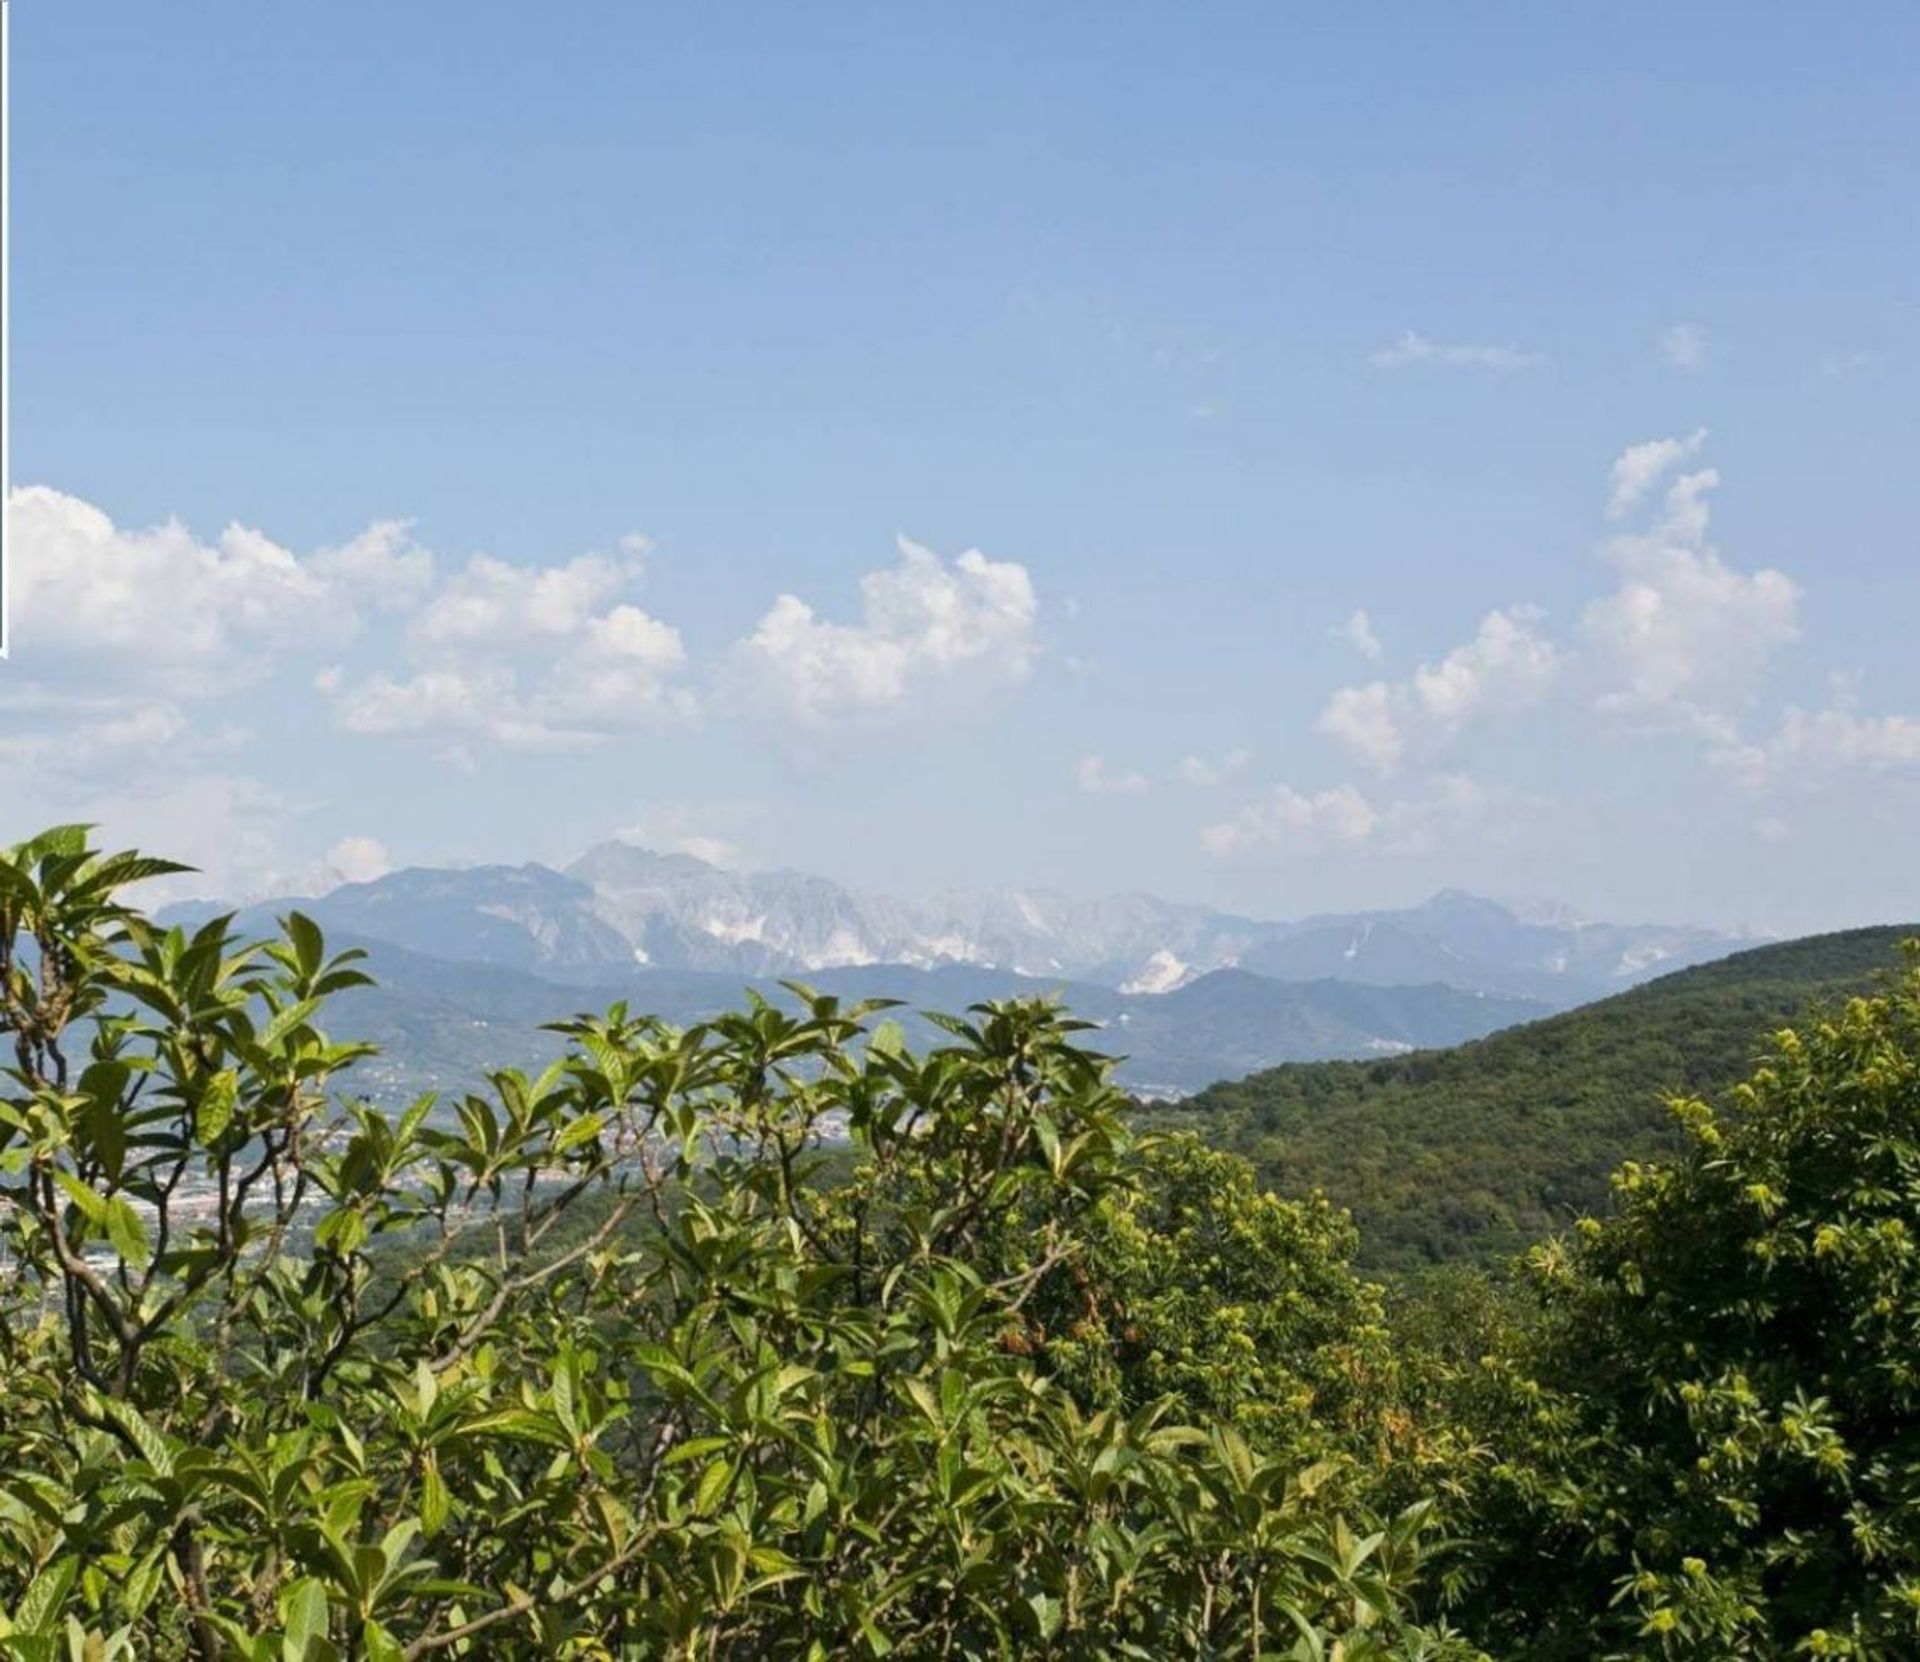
x=1474 y=1153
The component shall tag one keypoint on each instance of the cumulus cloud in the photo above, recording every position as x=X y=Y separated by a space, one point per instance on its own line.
x=1366 y=722
x=1357 y=632
x=383 y=567
x=1205 y=772
x=1810 y=747
x=1638 y=468
x=526 y=656
x=493 y=603
x=157 y=606
x=164 y=609
x=1685 y=637
x=529 y=655
x=359 y=859
x=1507 y=666
x=1681 y=642
x=1291 y=822
x=929 y=633
x=1412 y=348
x=1684 y=346
x=709 y=831
x=615 y=673
x=1095 y=778
x=74 y=736
x=124 y=638
x=1342 y=819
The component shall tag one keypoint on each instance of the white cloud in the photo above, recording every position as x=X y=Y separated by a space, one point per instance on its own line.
x=433 y=701
x=1204 y=773
x=359 y=859
x=1811 y=747
x=121 y=633
x=1093 y=777
x=1638 y=468
x=158 y=607
x=1412 y=348
x=529 y=657
x=491 y=602
x=228 y=828
x=1357 y=632
x=1363 y=720
x=707 y=831
x=1685 y=637
x=1681 y=642
x=618 y=674
x=75 y=735
x=1344 y=820
x=1290 y=822
x=929 y=632
x=1684 y=346
x=1843 y=738
x=1507 y=666
x=383 y=566
x=161 y=609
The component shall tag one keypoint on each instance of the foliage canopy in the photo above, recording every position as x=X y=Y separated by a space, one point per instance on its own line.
x=1714 y=1444
x=286 y=1379
x=1471 y=1155
x=772 y=1337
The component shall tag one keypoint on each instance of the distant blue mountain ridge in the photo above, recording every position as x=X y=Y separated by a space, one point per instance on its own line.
x=472 y=959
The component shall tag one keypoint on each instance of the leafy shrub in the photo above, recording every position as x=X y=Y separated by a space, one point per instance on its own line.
x=593 y=1364
x=1713 y=1447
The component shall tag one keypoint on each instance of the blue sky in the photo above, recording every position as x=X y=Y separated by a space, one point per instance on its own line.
x=1207 y=326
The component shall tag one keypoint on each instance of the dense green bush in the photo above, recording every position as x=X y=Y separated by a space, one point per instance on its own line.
x=593 y=1365
x=1712 y=1440
x=771 y=1338
x=1198 y=1287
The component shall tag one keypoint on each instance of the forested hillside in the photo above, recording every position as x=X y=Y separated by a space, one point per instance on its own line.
x=1479 y=1151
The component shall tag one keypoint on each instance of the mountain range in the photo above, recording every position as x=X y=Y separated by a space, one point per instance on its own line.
x=619 y=907
x=472 y=959
x=441 y=1024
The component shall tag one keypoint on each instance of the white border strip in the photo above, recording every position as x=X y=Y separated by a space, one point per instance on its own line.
x=6 y=305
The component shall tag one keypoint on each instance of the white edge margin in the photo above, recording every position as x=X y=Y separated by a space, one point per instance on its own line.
x=6 y=305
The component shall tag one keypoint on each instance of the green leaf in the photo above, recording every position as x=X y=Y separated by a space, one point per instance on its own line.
x=582 y=1130
x=91 y=1205
x=303 y=1613
x=435 y=1503
x=103 y=1120
x=213 y=1113
x=40 y=1606
x=286 y=1021
x=152 y=1446
x=126 y=1234
x=712 y=1485
x=308 y=946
